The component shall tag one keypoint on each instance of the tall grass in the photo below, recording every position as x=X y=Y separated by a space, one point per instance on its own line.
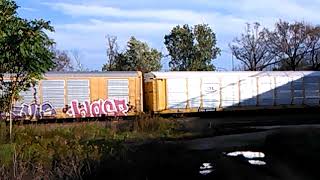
x=72 y=151
x=157 y=125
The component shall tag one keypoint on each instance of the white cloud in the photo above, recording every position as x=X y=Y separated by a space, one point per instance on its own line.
x=106 y=11
x=96 y=26
x=287 y=9
x=93 y=21
x=28 y=9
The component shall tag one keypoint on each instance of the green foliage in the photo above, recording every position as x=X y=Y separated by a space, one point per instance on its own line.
x=74 y=151
x=24 y=49
x=6 y=154
x=192 y=49
x=154 y=124
x=57 y=152
x=138 y=57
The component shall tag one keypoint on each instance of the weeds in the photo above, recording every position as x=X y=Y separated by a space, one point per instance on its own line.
x=72 y=151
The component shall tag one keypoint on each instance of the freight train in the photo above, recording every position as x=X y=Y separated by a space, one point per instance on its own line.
x=104 y=94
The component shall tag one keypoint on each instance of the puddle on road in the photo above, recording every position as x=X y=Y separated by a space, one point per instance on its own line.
x=257 y=162
x=206 y=169
x=247 y=154
x=253 y=158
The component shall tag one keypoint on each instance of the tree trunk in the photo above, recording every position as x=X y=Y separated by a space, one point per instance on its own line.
x=10 y=109
x=10 y=116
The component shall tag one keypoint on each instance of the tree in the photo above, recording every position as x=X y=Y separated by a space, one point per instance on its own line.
x=62 y=61
x=24 y=53
x=252 y=50
x=76 y=55
x=289 y=43
x=141 y=57
x=137 y=57
x=313 y=57
x=112 y=53
x=191 y=49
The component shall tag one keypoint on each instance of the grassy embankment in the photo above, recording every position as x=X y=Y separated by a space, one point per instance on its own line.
x=74 y=151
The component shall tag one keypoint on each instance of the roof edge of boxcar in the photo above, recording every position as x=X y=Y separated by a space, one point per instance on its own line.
x=194 y=74
x=94 y=74
x=90 y=74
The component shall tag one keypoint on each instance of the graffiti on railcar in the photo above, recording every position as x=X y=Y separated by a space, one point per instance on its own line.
x=33 y=110
x=108 y=107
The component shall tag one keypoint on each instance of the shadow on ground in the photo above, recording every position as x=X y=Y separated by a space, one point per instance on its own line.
x=291 y=153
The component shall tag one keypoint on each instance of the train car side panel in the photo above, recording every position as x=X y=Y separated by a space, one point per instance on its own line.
x=138 y=94
x=155 y=95
x=149 y=96
x=194 y=92
x=94 y=89
x=236 y=90
x=177 y=93
x=133 y=95
x=77 y=95
x=311 y=85
x=210 y=92
x=161 y=98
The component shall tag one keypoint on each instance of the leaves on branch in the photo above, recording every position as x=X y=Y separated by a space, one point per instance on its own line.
x=192 y=48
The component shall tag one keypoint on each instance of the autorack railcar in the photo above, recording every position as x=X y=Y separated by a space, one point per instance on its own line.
x=99 y=94
x=79 y=94
x=182 y=92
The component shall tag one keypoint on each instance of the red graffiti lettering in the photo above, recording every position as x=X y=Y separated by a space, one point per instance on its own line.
x=95 y=108
x=121 y=106
x=74 y=110
x=108 y=108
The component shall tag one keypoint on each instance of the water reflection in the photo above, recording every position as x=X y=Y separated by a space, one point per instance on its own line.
x=257 y=162
x=247 y=154
x=206 y=169
x=254 y=158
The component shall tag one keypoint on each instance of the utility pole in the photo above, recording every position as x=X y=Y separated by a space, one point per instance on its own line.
x=232 y=59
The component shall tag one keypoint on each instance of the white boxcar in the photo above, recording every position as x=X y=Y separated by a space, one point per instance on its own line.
x=168 y=92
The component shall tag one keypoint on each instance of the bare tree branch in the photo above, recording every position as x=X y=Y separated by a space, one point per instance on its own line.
x=76 y=54
x=251 y=49
x=112 y=53
x=290 y=43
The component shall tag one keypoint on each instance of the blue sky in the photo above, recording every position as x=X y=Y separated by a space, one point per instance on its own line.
x=83 y=25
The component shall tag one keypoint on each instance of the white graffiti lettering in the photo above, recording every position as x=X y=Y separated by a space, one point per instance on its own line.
x=33 y=110
x=98 y=108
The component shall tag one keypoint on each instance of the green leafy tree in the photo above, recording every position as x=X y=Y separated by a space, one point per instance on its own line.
x=137 y=57
x=192 y=48
x=24 y=53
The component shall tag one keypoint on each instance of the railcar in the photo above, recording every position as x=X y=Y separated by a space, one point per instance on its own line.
x=183 y=92
x=99 y=94
x=78 y=94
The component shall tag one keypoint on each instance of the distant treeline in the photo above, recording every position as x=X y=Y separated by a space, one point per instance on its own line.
x=289 y=46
